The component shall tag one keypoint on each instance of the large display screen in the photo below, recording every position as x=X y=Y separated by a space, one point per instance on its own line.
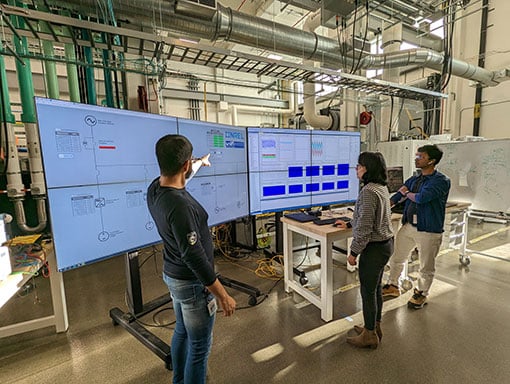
x=98 y=163
x=334 y=158
x=291 y=169
x=222 y=188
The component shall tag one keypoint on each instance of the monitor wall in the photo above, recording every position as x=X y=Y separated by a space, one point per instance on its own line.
x=98 y=163
x=222 y=188
x=291 y=169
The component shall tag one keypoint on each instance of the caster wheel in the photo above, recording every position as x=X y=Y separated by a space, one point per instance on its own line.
x=465 y=261
x=303 y=280
x=168 y=366
x=407 y=284
x=252 y=301
x=114 y=323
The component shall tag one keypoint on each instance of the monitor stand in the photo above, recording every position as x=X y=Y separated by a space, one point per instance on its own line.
x=137 y=309
x=241 y=287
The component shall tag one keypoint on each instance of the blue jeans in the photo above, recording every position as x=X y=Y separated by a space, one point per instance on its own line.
x=192 y=338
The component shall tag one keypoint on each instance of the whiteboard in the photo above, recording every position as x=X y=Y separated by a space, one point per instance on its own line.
x=479 y=172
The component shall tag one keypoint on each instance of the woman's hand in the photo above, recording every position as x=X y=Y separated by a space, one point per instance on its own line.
x=351 y=260
x=341 y=224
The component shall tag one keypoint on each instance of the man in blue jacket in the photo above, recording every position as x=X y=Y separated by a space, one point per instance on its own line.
x=422 y=224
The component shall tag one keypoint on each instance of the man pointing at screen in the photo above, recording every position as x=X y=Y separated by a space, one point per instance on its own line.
x=188 y=259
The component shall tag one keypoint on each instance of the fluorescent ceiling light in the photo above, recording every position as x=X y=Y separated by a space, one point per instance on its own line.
x=274 y=57
x=188 y=40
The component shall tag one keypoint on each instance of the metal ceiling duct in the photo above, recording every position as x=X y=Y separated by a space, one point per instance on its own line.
x=236 y=27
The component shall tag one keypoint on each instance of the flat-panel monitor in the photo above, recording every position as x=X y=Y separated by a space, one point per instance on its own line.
x=222 y=188
x=290 y=169
x=395 y=178
x=98 y=163
x=334 y=158
x=278 y=177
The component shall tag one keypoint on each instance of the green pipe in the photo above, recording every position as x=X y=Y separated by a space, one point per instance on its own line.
x=50 y=67
x=78 y=62
x=72 y=73
x=6 y=104
x=89 y=72
x=51 y=71
x=24 y=71
x=72 y=70
x=108 y=88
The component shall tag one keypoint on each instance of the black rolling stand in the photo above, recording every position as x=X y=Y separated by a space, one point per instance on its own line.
x=137 y=308
x=241 y=287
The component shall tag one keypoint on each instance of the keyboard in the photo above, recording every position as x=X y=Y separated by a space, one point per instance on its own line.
x=331 y=220
x=301 y=217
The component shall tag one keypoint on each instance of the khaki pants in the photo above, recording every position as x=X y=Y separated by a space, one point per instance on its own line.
x=428 y=244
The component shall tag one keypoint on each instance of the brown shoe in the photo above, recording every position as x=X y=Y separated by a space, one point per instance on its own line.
x=378 y=330
x=417 y=301
x=365 y=339
x=390 y=290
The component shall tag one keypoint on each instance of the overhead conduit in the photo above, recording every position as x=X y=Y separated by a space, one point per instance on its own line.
x=232 y=26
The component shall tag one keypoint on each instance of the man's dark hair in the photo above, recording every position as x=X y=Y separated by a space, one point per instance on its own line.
x=376 y=167
x=172 y=151
x=433 y=151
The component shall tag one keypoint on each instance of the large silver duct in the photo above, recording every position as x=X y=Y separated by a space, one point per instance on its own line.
x=236 y=27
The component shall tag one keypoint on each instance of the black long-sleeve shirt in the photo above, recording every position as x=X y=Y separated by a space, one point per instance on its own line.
x=188 y=251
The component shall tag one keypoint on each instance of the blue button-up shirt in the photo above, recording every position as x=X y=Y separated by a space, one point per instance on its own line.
x=430 y=199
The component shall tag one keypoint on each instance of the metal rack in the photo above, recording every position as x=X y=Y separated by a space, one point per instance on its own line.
x=67 y=30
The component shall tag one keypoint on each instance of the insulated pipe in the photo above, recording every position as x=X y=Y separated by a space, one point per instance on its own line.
x=28 y=117
x=50 y=66
x=240 y=28
x=107 y=73
x=309 y=112
x=237 y=27
x=15 y=187
x=72 y=73
x=89 y=73
x=72 y=70
x=37 y=185
x=249 y=108
x=429 y=59
x=41 y=216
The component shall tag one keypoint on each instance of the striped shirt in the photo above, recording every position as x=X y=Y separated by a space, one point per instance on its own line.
x=372 y=217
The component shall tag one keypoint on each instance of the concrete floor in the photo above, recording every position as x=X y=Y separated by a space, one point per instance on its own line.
x=461 y=336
